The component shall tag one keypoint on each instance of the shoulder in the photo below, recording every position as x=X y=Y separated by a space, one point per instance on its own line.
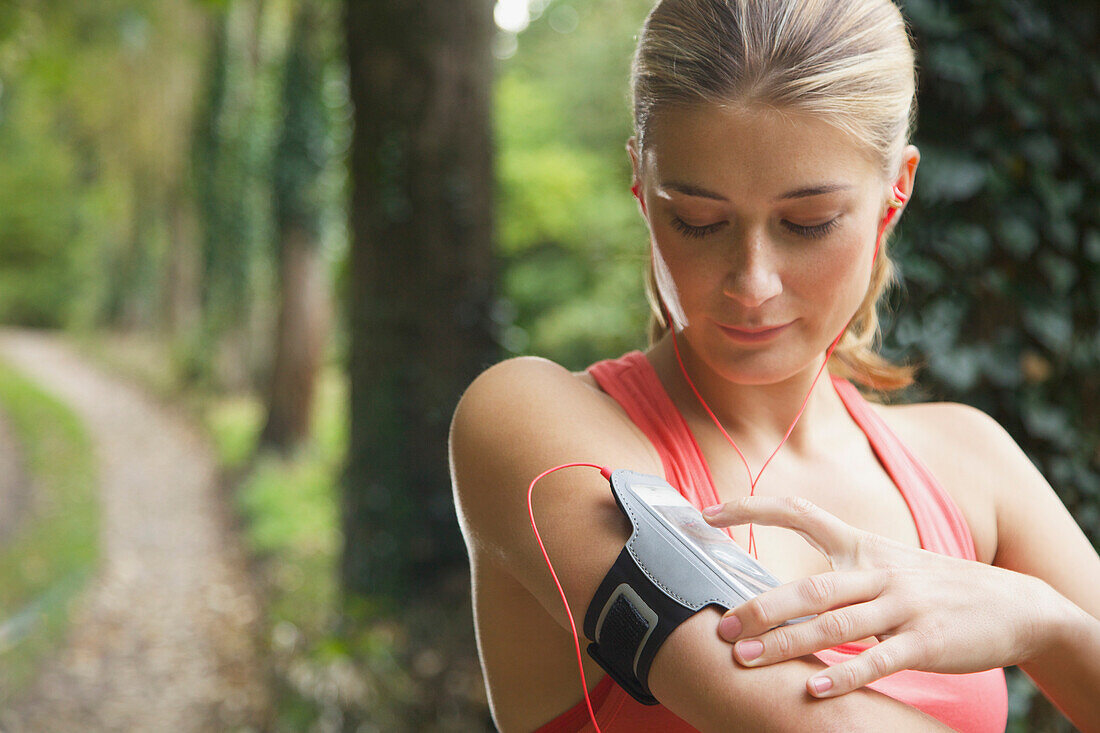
x=951 y=431
x=523 y=378
x=535 y=396
x=523 y=416
x=969 y=453
x=946 y=422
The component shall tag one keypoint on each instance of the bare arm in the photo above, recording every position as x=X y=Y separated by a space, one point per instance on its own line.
x=525 y=416
x=1038 y=536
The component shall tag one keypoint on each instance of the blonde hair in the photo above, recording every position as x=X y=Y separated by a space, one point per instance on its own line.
x=847 y=62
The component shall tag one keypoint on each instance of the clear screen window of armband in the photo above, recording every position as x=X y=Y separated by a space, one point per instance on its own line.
x=673 y=565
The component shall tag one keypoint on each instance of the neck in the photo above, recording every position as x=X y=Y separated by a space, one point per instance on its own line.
x=756 y=417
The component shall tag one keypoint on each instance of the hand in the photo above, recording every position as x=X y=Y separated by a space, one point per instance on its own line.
x=929 y=612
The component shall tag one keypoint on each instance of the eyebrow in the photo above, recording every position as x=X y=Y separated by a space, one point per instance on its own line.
x=799 y=193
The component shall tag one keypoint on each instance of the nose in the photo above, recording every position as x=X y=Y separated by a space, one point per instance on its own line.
x=752 y=278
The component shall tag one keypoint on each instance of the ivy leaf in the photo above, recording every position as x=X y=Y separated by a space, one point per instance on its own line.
x=1017 y=236
x=958 y=368
x=1050 y=325
x=950 y=176
x=1049 y=422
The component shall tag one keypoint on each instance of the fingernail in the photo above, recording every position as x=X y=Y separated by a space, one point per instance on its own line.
x=750 y=650
x=821 y=684
x=710 y=511
x=729 y=628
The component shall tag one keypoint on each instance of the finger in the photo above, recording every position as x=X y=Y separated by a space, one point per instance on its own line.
x=826 y=631
x=812 y=595
x=881 y=660
x=828 y=534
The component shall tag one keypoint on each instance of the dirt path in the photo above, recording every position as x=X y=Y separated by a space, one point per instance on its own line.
x=163 y=637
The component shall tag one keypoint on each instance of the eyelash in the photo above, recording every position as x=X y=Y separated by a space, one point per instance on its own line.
x=688 y=230
x=811 y=232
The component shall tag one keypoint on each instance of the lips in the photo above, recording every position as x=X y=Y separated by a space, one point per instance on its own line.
x=753 y=334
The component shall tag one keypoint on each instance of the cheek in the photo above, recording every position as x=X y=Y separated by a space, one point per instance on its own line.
x=842 y=271
x=677 y=281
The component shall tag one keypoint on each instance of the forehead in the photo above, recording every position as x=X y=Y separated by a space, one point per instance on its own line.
x=753 y=152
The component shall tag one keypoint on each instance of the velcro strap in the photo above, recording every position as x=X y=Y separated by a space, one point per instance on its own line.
x=623 y=631
x=628 y=620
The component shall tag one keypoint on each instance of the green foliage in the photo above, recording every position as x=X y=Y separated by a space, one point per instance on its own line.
x=39 y=212
x=329 y=662
x=271 y=122
x=234 y=421
x=90 y=161
x=289 y=505
x=232 y=160
x=53 y=551
x=301 y=153
x=9 y=20
x=573 y=244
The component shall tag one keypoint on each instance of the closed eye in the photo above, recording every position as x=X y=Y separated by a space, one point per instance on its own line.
x=693 y=231
x=812 y=232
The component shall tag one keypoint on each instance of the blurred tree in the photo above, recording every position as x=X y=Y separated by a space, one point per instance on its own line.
x=421 y=278
x=300 y=162
x=38 y=212
x=235 y=136
x=112 y=84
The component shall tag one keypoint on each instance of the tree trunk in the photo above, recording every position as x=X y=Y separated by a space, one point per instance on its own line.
x=420 y=286
x=300 y=339
x=183 y=291
x=298 y=167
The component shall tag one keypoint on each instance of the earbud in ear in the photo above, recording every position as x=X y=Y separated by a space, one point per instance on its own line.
x=897 y=200
x=900 y=197
x=638 y=195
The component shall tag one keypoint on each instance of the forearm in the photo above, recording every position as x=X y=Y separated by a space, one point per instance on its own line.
x=1067 y=669
x=695 y=676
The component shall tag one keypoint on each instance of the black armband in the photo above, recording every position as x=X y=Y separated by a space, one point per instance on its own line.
x=673 y=565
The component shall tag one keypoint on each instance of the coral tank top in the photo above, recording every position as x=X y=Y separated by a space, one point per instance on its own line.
x=973 y=703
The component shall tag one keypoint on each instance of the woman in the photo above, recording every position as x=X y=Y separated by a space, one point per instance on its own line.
x=770 y=161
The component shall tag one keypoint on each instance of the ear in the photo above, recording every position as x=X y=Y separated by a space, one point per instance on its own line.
x=907 y=175
x=636 y=168
x=632 y=148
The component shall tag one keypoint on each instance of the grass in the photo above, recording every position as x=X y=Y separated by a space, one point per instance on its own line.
x=47 y=560
x=371 y=673
x=289 y=505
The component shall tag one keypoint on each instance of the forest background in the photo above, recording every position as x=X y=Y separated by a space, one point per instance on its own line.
x=315 y=222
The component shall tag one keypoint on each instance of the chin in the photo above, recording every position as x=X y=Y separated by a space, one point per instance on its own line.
x=788 y=356
x=760 y=369
x=760 y=378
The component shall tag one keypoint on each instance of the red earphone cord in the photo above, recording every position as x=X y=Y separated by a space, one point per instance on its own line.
x=901 y=197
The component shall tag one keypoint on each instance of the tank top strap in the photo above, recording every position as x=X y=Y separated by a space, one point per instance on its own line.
x=940 y=523
x=631 y=381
